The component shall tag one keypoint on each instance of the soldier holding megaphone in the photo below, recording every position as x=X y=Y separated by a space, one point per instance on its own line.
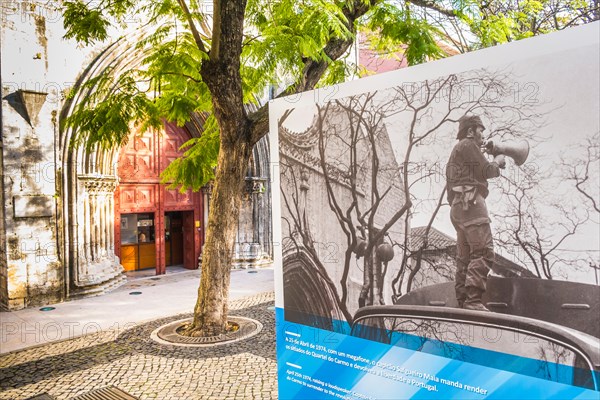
x=467 y=173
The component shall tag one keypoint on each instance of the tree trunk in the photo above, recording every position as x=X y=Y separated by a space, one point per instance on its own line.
x=221 y=73
x=210 y=312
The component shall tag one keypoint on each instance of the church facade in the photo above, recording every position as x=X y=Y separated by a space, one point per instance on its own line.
x=74 y=219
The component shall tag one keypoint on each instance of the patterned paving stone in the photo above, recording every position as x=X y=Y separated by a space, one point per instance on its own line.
x=131 y=361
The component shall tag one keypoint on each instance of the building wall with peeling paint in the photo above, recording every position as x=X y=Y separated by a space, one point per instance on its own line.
x=3 y=269
x=37 y=69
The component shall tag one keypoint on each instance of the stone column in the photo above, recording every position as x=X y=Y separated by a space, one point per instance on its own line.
x=101 y=264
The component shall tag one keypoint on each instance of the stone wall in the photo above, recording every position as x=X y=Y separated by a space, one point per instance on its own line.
x=30 y=105
x=38 y=69
x=3 y=269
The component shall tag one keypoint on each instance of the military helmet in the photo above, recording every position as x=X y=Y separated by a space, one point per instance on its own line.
x=465 y=122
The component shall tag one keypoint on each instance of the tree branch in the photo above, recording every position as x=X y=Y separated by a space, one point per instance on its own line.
x=193 y=28
x=314 y=70
x=433 y=6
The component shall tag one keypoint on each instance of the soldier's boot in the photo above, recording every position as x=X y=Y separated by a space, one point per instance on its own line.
x=473 y=301
x=461 y=303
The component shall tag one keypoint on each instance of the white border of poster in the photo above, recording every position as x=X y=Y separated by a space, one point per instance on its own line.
x=345 y=342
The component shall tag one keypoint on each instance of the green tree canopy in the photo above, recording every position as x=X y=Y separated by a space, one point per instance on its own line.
x=283 y=41
x=216 y=59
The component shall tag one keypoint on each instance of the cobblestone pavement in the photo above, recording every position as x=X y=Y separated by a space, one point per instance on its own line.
x=131 y=361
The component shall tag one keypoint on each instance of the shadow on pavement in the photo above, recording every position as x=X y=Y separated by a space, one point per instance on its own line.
x=137 y=340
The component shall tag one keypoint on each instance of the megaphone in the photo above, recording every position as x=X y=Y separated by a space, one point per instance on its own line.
x=517 y=150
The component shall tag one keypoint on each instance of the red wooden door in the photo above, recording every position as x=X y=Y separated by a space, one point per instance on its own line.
x=189 y=251
x=140 y=162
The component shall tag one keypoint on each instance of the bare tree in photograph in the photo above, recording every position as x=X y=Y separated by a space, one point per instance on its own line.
x=537 y=220
x=300 y=235
x=413 y=256
x=370 y=196
x=417 y=254
x=352 y=150
x=545 y=207
x=583 y=170
x=484 y=93
x=365 y=160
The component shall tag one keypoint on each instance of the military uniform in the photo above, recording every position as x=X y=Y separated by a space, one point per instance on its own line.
x=467 y=173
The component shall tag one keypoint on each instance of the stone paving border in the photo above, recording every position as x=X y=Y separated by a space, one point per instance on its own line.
x=167 y=334
x=133 y=362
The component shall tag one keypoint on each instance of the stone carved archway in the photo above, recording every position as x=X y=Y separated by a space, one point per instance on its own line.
x=88 y=181
x=89 y=178
x=309 y=297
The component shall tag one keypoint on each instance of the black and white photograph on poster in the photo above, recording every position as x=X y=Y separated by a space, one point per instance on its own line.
x=471 y=196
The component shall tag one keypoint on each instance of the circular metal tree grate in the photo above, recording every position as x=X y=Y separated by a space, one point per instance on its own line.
x=167 y=334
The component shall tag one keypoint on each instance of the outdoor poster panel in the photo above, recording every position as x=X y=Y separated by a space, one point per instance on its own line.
x=366 y=293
